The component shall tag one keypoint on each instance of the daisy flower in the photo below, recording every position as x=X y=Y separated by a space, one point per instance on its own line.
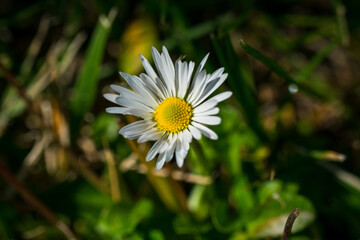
x=172 y=103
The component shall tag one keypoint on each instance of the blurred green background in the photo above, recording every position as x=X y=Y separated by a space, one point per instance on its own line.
x=289 y=136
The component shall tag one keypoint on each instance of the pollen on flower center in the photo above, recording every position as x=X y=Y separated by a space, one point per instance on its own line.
x=173 y=115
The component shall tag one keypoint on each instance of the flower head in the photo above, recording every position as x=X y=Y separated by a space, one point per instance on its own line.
x=172 y=103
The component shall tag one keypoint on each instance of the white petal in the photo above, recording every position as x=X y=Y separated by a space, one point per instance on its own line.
x=181 y=151
x=160 y=160
x=202 y=92
x=111 y=97
x=126 y=93
x=209 y=104
x=162 y=69
x=212 y=102
x=169 y=62
x=187 y=136
x=169 y=70
x=148 y=68
x=136 y=84
x=222 y=96
x=205 y=131
x=129 y=111
x=136 y=131
x=164 y=146
x=186 y=146
x=136 y=127
x=202 y=64
x=208 y=112
x=126 y=102
x=116 y=88
x=165 y=89
x=199 y=74
x=133 y=81
x=197 y=87
x=195 y=132
x=185 y=73
x=155 y=148
x=151 y=135
x=157 y=87
x=139 y=113
x=170 y=152
x=216 y=74
x=117 y=110
x=210 y=88
x=168 y=140
x=180 y=155
x=178 y=77
x=208 y=120
x=179 y=160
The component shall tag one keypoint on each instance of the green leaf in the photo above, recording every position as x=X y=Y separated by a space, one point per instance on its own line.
x=197 y=203
x=268 y=189
x=235 y=145
x=185 y=224
x=277 y=201
x=104 y=125
x=155 y=234
x=86 y=84
x=242 y=195
x=274 y=226
x=122 y=219
x=224 y=219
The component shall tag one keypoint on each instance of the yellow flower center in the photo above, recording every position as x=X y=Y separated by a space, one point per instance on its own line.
x=173 y=115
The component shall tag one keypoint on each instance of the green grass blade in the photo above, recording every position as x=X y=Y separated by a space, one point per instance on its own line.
x=240 y=87
x=276 y=68
x=199 y=30
x=342 y=25
x=316 y=60
x=86 y=85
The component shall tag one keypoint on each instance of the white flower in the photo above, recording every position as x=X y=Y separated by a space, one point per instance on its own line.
x=173 y=105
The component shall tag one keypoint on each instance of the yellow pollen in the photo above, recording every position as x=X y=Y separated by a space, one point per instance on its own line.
x=173 y=115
